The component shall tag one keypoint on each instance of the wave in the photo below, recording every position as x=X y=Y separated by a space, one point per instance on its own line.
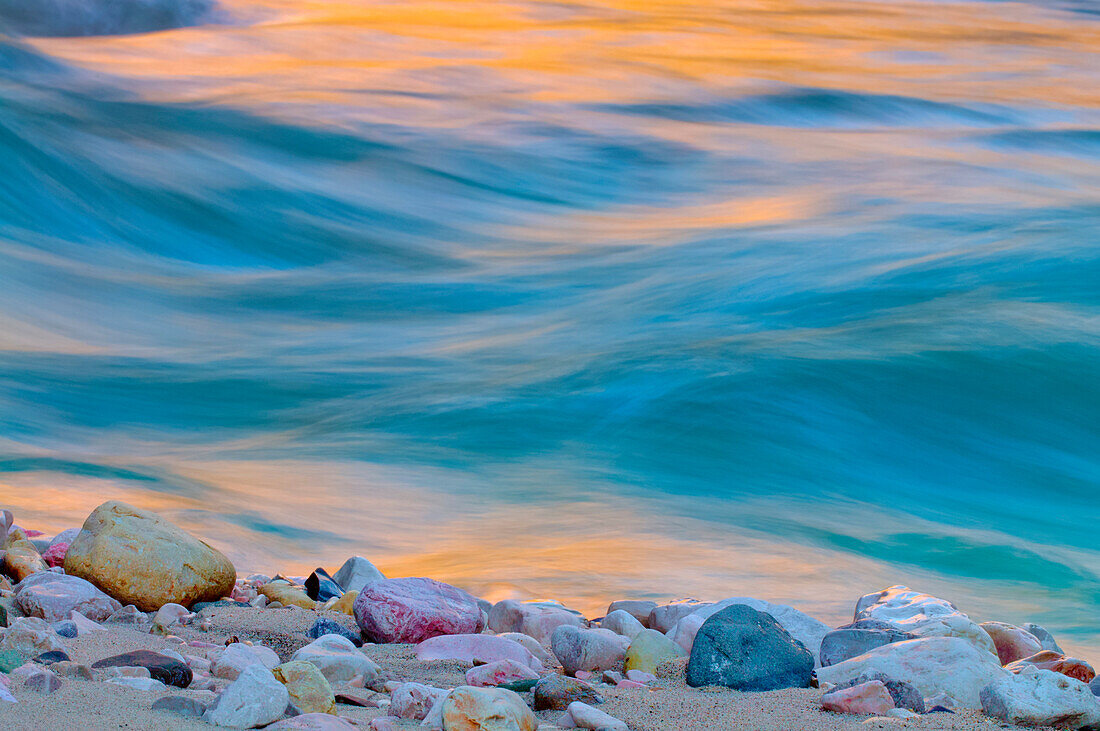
x=56 y=18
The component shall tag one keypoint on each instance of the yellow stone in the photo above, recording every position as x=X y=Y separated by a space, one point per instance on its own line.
x=345 y=603
x=22 y=559
x=287 y=595
x=650 y=648
x=308 y=688
x=139 y=558
x=486 y=709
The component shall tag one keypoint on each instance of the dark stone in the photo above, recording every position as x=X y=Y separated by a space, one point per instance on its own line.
x=9 y=660
x=325 y=626
x=167 y=670
x=844 y=644
x=180 y=705
x=556 y=692
x=320 y=587
x=353 y=697
x=904 y=694
x=869 y=624
x=939 y=709
x=1094 y=686
x=3 y=616
x=199 y=606
x=747 y=650
x=49 y=658
x=519 y=686
x=65 y=628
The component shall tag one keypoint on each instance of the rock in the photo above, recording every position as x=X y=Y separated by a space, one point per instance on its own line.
x=137 y=683
x=55 y=555
x=1036 y=697
x=1012 y=642
x=131 y=616
x=486 y=709
x=308 y=688
x=338 y=659
x=21 y=559
x=498 y=673
x=649 y=649
x=640 y=676
x=638 y=609
x=363 y=698
x=70 y=669
x=622 y=623
x=356 y=573
x=65 y=628
x=321 y=587
x=30 y=636
x=10 y=660
x=345 y=604
x=311 y=722
x=325 y=626
x=220 y=604
x=167 y=670
x=585 y=716
x=587 y=649
x=415 y=609
x=744 y=649
x=902 y=694
x=468 y=648
x=665 y=617
x=843 y=644
x=140 y=558
x=84 y=625
x=1094 y=686
x=168 y=616
x=922 y=615
x=802 y=627
x=53 y=597
x=43 y=681
x=951 y=665
x=127 y=671
x=414 y=700
x=1056 y=662
x=180 y=705
x=530 y=643
x=254 y=699
x=556 y=692
x=1046 y=638
x=237 y=656
x=49 y=658
x=535 y=619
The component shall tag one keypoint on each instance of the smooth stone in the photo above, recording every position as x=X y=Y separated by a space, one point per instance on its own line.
x=469 y=647
x=904 y=695
x=5 y=694
x=649 y=649
x=338 y=659
x=1046 y=638
x=21 y=559
x=922 y=615
x=170 y=615
x=30 y=636
x=640 y=676
x=585 y=716
x=588 y=649
x=1035 y=697
x=530 y=643
x=363 y=698
x=237 y=656
x=65 y=628
x=70 y=669
x=556 y=692
x=1094 y=686
x=137 y=683
x=843 y=644
x=498 y=673
x=320 y=586
x=131 y=616
x=254 y=699
x=10 y=660
x=415 y=609
x=486 y=709
x=311 y=722
x=140 y=558
x=637 y=608
x=345 y=604
x=49 y=658
x=84 y=625
x=1056 y=662
x=622 y=623
x=308 y=688
x=180 y=705
x=325 y=626
x=53 y=597
x=356 y=573
x=167 y=670
x=43 y=681
x=219 y=604
x=536 y=619
x=950 y=665
x=520 y=686
x=748 y=650
x=1013 y=643
x=414 y=700
x=664 y=617
x=801 y=626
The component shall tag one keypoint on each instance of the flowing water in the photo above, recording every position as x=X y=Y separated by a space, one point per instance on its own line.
x=592 y=300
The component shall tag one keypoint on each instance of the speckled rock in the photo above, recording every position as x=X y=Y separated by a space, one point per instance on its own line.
x=744 y=649
x=486 y=709
x=325 y=626
x=44 y=681
x=845 y=643
x=21 y=559
x=649 y=649
x=922 y=615
x=556 y=692
x=338 y=659
x=415 y=609
x=309 y=691
x=497 y=673
x=30 y=636
x=414 y=700
x=254 y=699
x=1056 y=662
x=139 y=558
x=53 y=597
x=1036 y=697
x=1013 y=643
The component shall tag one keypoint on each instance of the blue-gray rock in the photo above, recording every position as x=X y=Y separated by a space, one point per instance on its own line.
x=904 y=694
x=1046 y=639
x=748 y=650
x=320 y=587
x=180 y=705
x=356 y=573
x=49 y=658
x=325 y=626
x=65 y=628
x=199 y=606
x=844 y=644
x=167 y=670
x=1094 y=686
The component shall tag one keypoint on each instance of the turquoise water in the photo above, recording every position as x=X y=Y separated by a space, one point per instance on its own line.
x=793 y=299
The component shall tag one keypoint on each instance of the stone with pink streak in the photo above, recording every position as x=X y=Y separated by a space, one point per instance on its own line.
x=1013 y=643
x=487 y=648
x=866 y=698
x=415 y=609
x=1056 y=662
x=498 y=673
x=54 y=556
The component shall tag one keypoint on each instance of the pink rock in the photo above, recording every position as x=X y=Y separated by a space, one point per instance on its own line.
x=415 y=609
x=866 y=698
x=414 y=700
x=52 y=597
x=630 y=684
x=584 y=675
x=1057 y=663
x=487 y=648
x=640 y=676
x=1013 y=643
x=55 y=554
x=535 y=619
x=498 y=673
x=32 y=533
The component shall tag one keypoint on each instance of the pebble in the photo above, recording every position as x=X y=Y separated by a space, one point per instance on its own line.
x=237 y=656
x=415 y=609
x=254 y=699
x=1035 y=697
x=309 y=691
x=474 y=709
x=623 y=623
x=649 y=649
x=1056 y=662
x=338 y=659
x=556 y=692
x=137 y=683
x=84 y=625
x=30 y=636
x=65 y=628
x=49 y=658
x=312 y=722
x=587 y=649
x=923 y=615
x=325 y=626
x=585 y=716
x=52 y=597
x=70 y=669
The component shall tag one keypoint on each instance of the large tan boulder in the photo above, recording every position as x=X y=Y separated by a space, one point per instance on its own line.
x=140 y=558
